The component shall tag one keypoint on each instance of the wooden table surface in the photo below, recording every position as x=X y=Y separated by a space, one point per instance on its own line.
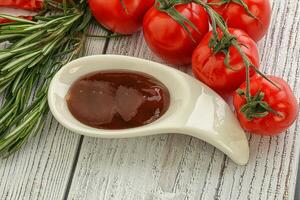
x=57 y=164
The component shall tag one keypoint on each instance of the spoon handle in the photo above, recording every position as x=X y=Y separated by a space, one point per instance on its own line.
x=212 y=121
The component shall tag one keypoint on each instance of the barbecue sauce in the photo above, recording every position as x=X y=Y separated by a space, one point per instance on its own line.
x=117 y=99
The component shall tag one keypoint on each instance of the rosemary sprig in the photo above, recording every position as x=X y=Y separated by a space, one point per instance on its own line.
x=37 y=50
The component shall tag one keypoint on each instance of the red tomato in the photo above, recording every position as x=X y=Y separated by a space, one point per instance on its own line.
x=112 y=15
x=209 y=67
x=281 y=100
x=236 y=16
x=168 y=39
x=23 y=4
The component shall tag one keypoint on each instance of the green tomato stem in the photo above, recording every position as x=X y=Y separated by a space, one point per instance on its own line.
x=217 y=19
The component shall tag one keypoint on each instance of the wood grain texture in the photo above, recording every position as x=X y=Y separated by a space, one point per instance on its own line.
x=297 y=191
x=180 y=167
x=166 y=167
x=42 y=168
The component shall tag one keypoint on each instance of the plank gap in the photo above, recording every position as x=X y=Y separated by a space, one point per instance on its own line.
x=297 y=191
x=75 y=161
x=297 y=188
x=221 y=176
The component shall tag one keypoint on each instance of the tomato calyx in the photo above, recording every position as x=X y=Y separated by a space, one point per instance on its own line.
x=256 y=107
x=216 y=43
x=169 y=8
x=222 y=45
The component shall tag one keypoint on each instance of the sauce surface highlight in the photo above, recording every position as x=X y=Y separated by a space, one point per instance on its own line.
x=117 y=99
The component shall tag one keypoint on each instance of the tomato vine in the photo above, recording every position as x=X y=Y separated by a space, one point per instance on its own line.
x=240 y=2
x=124 y=6
x=255 y=105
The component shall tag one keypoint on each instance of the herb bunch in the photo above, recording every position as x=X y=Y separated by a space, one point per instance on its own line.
x=36 y=51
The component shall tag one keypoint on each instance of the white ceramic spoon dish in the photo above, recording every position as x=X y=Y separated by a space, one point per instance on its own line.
x=194 y=110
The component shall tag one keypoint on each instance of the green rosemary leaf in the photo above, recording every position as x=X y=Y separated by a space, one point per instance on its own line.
x=14 y=26
x=30 y=38
x=25 y=48
x=17 y=19
x=9 y=36
x=17 y=82
x=6 y=114
x=20 y=61
x=5 y=55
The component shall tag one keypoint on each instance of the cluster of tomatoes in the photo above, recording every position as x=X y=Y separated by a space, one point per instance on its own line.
x=268 y=108
x=171 y=42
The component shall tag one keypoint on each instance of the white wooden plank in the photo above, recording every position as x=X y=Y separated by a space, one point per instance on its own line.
x=42 y=168
x=275 y=160
x=181 y=167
